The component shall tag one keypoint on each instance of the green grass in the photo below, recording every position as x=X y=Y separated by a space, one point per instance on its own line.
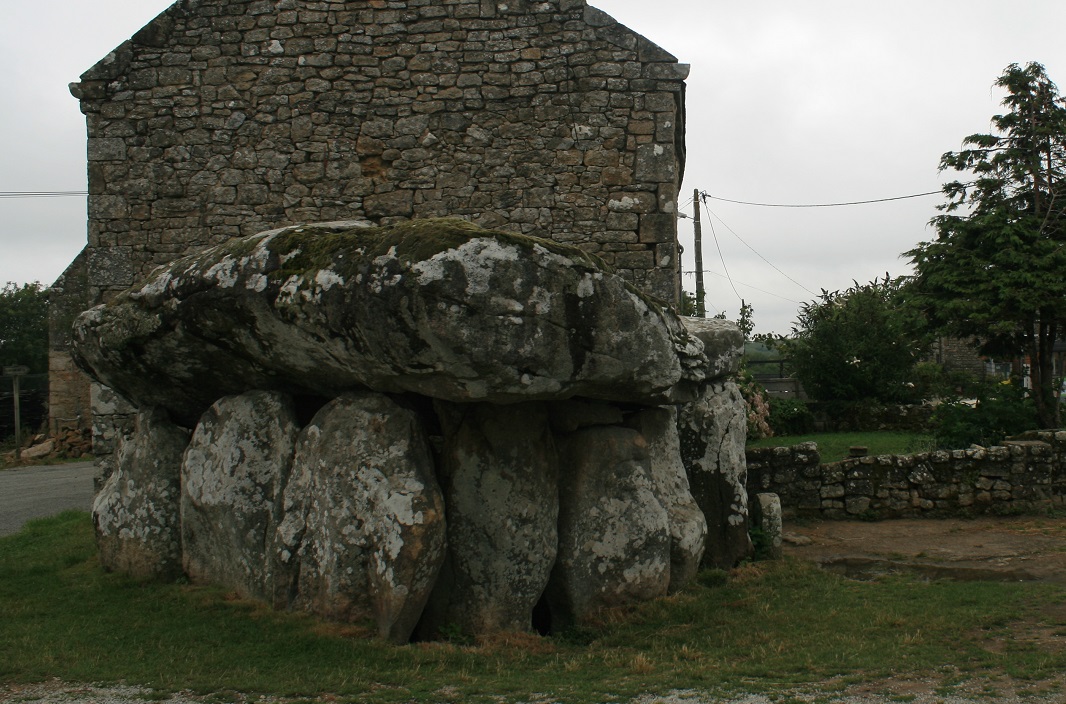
x=834 y=446
x=768 y=625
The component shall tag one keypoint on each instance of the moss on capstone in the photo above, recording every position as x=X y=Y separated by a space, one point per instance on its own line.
x=308 y=248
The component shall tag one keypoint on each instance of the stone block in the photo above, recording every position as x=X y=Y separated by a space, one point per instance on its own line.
x=658 y=227
x=656 y=163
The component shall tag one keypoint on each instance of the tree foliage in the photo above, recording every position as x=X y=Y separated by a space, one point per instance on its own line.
x=858 y=344
x=995 y=270
x=24 y=326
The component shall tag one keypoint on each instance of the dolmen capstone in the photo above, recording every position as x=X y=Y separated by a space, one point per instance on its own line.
x=427 y=428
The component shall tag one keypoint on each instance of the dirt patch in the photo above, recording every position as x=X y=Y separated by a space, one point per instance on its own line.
x=987 y=548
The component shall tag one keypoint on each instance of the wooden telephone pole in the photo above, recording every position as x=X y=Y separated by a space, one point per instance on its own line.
x=701 y=308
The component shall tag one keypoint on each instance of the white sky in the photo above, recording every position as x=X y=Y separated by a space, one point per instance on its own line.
x=817 y=101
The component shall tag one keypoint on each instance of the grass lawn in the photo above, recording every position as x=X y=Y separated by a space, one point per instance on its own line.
x=763 y=627
x=834 y=446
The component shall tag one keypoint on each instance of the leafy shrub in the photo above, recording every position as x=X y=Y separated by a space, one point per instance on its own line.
x=858 y=344
x=999 y=411
x=789 y=416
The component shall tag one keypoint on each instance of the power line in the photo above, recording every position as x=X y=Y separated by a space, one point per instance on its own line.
x=821 y=205
x=722 y=257
x=741 y=283
x=760 y=256
x=43 y=194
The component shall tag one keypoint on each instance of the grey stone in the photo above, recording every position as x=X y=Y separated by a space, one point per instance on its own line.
x=713 y=431
x=234 y=470
x=500 y=481
x=137 y=512
x=614 y=534
x=688 y=526
x=440 y=308
x=363 y=533
x=767 y=517
x=723 y=344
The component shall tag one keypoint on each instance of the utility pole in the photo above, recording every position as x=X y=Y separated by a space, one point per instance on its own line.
x=701 y=307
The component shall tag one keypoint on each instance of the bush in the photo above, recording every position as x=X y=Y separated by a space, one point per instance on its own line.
x=790 y=417
x=1000 y=410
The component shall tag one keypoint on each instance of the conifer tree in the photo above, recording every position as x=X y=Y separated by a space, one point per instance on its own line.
x=997 y=268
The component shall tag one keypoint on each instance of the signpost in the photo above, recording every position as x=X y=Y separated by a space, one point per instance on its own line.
x=15 y=372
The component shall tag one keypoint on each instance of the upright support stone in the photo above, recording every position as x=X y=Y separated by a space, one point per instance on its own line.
x=233 y=473
x=688 y=526
x=363 y=533
x=614 y=535
x=500 y=480
x=136 y=513
x=713 y=430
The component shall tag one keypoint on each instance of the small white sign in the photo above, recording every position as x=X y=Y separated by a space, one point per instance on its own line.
x=17 y=370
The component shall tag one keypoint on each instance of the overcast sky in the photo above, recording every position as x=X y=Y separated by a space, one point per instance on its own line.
x=789 y=102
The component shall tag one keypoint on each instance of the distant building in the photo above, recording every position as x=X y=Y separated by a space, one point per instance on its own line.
x=957 y=355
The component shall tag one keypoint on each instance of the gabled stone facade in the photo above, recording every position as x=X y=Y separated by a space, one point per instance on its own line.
x=228 y=117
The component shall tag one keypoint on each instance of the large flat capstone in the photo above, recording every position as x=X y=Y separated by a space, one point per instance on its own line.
x=440 y=308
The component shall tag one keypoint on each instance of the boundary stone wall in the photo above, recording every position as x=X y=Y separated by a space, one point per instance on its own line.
x=1026 y=473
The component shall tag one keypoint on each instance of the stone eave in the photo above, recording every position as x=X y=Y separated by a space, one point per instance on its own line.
x=115 y=64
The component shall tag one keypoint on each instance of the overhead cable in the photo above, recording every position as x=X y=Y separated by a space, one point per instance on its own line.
x=821 y=205
x=43 y=194
x=741 y=283
x=760 y=256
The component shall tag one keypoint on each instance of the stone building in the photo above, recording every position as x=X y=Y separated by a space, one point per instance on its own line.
x=228 y=117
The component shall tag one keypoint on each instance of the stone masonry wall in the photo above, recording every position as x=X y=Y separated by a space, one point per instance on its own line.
x=1026 y=473
x=68 y=387
x=229 y=117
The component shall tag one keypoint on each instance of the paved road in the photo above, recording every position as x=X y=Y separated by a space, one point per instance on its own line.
x=36 y=492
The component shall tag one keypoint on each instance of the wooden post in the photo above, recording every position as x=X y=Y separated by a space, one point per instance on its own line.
x=15 y=372
x=18 y=421
x=701 y=307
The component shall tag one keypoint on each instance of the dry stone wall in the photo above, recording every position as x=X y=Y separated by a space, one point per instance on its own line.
x=223 y=118
x=1026 y=473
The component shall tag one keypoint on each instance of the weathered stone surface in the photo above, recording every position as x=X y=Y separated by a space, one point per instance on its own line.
x=500 y=480
x=363 y=535
x=688 y=526
x=136 y=513
x=767 y=517
x=614 y=535
x=112 y=419
x=234 y=469
x=439 y=308
x=723 y=344
x=713 y=431
x=457 y=110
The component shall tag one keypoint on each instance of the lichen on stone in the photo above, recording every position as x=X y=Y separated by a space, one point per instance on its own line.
x=307 y=249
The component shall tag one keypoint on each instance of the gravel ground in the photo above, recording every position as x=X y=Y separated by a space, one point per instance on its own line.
x=878 y=692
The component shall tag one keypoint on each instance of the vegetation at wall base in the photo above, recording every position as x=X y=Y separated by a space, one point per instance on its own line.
x=833 y=447
x=998 y=411
x=765 y=626
x=789 y=416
